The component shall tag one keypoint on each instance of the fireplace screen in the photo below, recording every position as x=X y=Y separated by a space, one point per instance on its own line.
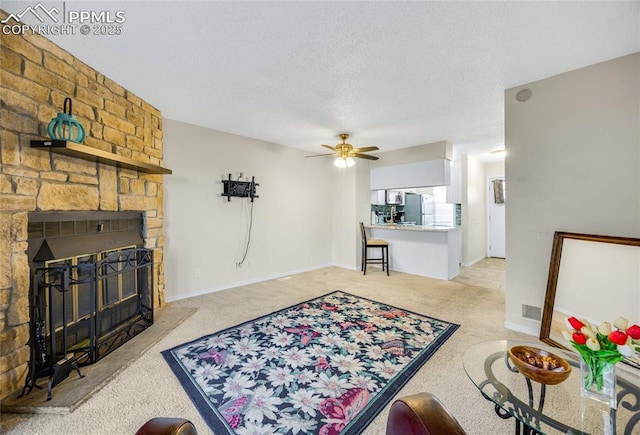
x=84 y=307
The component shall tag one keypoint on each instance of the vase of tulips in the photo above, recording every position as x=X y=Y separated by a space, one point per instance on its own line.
x=601 y=348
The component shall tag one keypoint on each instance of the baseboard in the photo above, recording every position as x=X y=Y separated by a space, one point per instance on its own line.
x=241 y=283
x=520 y=328
x=194 y=294
x=472 y=262
x=342 y=266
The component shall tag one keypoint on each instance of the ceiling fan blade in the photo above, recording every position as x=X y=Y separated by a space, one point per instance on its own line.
x=363 y=156
x=364 y=149
x=321 y=155
x=328 y=146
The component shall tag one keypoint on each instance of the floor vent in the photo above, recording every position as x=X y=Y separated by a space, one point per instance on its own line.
x=531 y=312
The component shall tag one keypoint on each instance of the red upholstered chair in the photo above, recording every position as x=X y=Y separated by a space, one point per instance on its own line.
x=421 y=414
x=167 y=426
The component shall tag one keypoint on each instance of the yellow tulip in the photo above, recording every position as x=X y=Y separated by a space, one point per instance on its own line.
x=604 y=328
x=586 y=330
x=621 y=323
x=626 y=350
x=593 y=344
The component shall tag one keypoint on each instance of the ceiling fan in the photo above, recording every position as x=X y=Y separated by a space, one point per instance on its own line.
x=345 y=151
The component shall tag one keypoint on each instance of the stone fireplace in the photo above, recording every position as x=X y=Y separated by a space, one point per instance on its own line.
x=37 y=76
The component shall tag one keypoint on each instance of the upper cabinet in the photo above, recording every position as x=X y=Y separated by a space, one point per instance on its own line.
x=418 y=174
x=378 y=197
x=454 y=191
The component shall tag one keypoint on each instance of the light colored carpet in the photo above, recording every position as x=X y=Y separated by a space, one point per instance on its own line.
x=148 y=388
x=74 y=391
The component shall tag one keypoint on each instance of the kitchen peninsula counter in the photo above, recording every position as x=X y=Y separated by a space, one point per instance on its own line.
x=409 y=227
x=425 y=250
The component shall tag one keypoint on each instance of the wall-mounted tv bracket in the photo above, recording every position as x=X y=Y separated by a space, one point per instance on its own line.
x=243 y=189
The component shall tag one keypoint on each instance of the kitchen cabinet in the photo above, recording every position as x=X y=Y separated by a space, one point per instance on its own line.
x=454 y=191
x=417 y=174
x=378 y=197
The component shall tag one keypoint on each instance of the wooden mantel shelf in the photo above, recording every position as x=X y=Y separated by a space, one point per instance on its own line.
x=95 y=155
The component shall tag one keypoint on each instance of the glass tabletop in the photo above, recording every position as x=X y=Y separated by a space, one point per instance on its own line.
x=547 y=409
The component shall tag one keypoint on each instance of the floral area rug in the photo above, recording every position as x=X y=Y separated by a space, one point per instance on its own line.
x=326 y=366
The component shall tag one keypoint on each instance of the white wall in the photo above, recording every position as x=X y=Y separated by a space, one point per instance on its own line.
x=292 y=228
x=343 y=216
x=351 y=205
x=474 y=210
x=494 y=169
x=573 y=164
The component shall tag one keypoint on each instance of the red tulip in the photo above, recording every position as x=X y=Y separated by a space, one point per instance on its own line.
x=575 y=324
x=634 y=331
x=579 y=337
x=618 y=337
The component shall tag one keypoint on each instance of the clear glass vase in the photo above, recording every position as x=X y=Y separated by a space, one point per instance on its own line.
x=598 y=381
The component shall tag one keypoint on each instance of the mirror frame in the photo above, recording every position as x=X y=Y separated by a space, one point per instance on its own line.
x=554 y=270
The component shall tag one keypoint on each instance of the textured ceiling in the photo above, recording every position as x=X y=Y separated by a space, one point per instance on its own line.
x=393 y=74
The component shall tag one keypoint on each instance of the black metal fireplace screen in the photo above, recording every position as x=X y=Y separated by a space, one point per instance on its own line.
x=84 y=307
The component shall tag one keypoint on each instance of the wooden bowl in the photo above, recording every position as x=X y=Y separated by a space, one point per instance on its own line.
x=521 y=355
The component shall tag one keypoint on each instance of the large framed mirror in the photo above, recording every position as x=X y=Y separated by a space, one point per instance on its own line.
x=591 y=277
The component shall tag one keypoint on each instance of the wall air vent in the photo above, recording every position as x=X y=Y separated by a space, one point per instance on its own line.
x=531 y=312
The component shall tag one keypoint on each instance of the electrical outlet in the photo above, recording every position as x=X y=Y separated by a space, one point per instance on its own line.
x=196 y=272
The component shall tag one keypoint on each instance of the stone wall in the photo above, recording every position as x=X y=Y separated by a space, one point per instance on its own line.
x=37 y=76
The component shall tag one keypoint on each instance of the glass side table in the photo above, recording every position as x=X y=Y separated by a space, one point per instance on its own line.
x=546 y=409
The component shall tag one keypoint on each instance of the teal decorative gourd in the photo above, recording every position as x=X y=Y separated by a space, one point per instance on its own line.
x=65 y=126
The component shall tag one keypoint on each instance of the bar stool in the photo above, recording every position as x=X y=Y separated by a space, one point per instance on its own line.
x=374 y=243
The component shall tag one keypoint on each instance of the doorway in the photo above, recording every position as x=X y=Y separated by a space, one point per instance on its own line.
x=496 y=199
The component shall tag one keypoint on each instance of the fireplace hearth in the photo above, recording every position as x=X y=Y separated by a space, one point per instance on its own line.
x=91 y=290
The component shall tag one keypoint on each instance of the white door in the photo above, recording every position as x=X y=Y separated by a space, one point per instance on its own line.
x=497 y=199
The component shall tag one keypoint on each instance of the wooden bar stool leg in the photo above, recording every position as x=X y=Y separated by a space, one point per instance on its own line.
x=385 y=259
x=386 y=254
x=365 y=261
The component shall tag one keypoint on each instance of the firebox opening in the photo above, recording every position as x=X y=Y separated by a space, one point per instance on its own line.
x=91 y=287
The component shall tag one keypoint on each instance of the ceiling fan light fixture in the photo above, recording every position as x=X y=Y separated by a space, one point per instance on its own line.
x=344 y=162
x=345 y=151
